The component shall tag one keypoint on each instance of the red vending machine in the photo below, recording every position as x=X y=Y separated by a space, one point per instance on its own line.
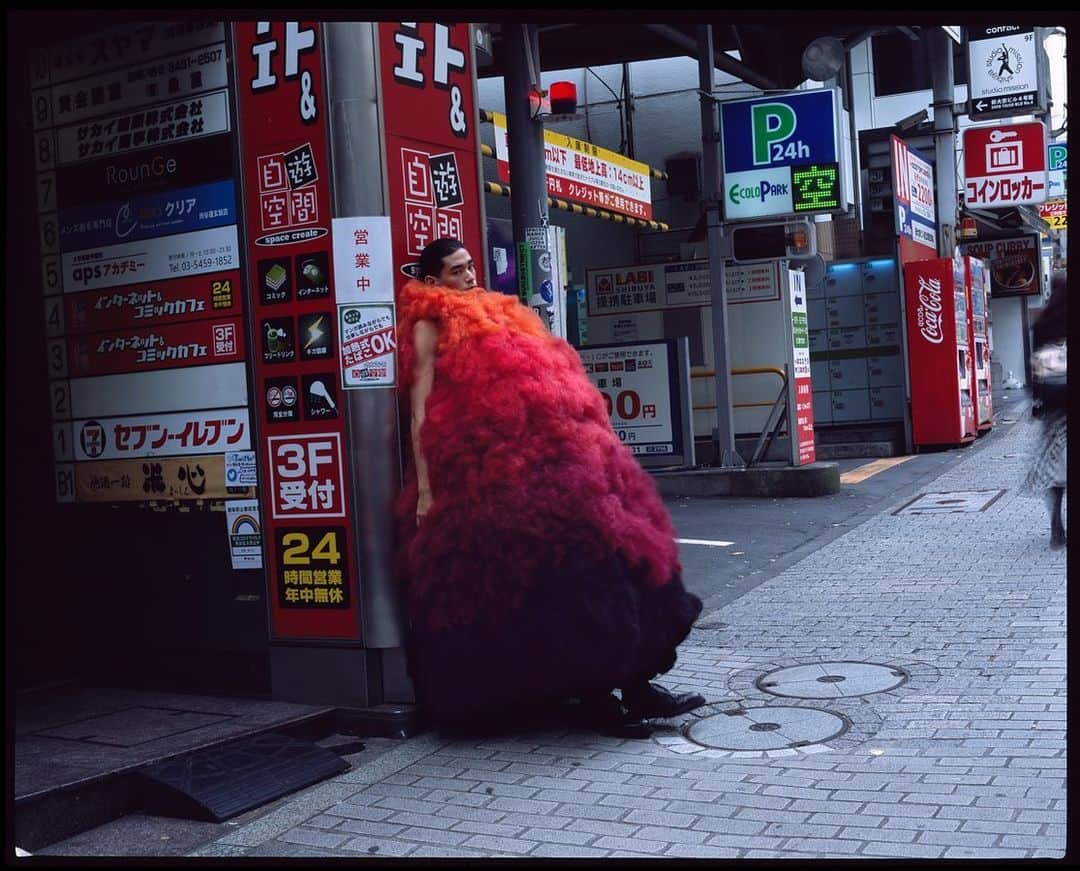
x=939 y=352
x=977 y=280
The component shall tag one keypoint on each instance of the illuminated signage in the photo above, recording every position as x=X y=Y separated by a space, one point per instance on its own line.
x=781 y=155
x=815 y=188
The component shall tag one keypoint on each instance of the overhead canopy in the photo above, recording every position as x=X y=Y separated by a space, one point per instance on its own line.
x=771 y=51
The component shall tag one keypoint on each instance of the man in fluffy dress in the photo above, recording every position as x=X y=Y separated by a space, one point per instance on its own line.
x=538 y=561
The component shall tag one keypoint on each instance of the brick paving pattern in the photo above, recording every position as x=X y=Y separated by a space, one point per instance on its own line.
x=966 y=759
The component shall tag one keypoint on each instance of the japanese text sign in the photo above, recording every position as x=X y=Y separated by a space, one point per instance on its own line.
x=306 y=475
x=429 y=115
x=367 y=345
x=1005 y=164
x=1015 y=267
x=363 y=260
x=1003 y=71
x=586 y=173
x=913 y=196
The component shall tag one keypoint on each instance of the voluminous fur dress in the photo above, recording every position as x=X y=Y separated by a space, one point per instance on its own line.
x=547 y=565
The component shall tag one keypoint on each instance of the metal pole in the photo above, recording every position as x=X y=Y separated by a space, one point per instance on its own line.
x=372 y=415
x=853 y=133
x=724 y=454
x=528 y=174
x=941 y=68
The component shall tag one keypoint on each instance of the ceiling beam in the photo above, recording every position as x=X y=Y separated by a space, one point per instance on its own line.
x=721 y=60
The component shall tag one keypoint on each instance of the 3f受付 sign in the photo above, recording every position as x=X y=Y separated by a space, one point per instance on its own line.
x=781 y=155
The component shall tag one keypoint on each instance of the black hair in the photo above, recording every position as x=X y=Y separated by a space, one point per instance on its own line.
x=431 y=258
x=1052 y=323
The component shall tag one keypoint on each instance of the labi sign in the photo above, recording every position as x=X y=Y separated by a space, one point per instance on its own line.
x=781 y=155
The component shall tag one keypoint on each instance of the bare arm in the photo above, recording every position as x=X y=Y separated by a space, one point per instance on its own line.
x=424 y=340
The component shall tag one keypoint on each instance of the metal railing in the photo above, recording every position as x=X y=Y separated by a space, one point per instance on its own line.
x=778 y=406
x=754 y=370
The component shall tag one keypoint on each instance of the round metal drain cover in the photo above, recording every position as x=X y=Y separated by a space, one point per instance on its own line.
x=832 y=680
x=772 y=728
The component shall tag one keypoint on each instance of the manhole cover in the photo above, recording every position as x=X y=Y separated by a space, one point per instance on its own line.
x=832 y=680
x=771 y=728
x=962 y=501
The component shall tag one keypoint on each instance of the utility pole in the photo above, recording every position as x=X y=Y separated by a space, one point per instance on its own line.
x=528 y=168
x=941 y=71
x=725 y=455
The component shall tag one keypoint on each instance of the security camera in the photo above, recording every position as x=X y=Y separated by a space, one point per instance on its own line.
x=913 y=120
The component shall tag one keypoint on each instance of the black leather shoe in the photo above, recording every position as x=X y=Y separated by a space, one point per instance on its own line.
x=606 y=715
x=652 y=700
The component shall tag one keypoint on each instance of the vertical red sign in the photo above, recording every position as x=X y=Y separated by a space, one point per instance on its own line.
x=804 y=421
x=285 y=164
x=429 y=112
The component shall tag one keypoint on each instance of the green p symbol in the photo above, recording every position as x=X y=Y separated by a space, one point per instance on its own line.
x=770 y=122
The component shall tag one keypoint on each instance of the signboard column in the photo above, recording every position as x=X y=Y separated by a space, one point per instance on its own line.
x=310 y=563
x=432 y=155
x=133 y=150
x=800 y=388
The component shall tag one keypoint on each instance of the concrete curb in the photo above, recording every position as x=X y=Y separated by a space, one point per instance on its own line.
x=815 y=479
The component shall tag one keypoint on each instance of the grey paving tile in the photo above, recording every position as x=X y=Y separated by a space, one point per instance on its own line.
x=558 y=836
x=674 y=836
x=313 y=838
x=589 y=812
x=477 y=827
x=660 y=818
x=378 y=846
x=636 y=845
x=502 y=845
x=569 y=851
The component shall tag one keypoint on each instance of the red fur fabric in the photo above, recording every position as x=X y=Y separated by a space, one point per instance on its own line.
x=545 y=540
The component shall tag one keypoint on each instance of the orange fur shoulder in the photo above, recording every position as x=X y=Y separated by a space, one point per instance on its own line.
x=463 y=314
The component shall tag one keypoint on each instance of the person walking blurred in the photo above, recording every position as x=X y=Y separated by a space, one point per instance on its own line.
x=1048 y=472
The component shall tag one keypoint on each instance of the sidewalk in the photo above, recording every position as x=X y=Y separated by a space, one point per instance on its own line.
x=936 y=730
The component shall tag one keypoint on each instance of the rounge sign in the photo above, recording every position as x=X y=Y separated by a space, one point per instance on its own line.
x=780 y=155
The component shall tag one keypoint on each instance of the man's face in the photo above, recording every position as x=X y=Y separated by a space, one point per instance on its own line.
x=458 y=271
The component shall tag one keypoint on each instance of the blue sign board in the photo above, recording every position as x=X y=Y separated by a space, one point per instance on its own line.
x=148 y=216
x=1057 y=164
x=786 y=130
x=781 y=155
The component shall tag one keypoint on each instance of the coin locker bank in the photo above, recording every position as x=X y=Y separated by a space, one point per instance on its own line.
x=222 y=213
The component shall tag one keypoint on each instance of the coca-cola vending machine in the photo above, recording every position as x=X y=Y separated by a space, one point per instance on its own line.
x=977 y=279
x=939 y=352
